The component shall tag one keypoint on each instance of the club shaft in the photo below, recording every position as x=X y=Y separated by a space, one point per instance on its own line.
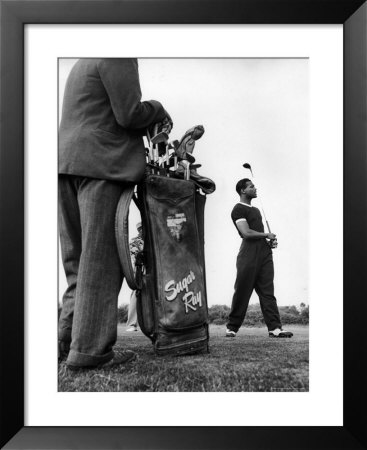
x=267 y=224
x=261 y=205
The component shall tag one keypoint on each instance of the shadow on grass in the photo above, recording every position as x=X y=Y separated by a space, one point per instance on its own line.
x=250 y=362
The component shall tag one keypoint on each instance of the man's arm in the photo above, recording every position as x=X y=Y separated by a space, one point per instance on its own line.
x=120 y=78
x=247 y=233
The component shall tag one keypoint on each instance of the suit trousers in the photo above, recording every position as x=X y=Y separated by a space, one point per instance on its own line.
x=88 y=319
x=255 y=270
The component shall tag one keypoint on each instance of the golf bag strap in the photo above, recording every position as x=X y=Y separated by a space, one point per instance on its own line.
x=122 y=236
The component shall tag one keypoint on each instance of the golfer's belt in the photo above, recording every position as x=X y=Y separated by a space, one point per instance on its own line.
x=170 y=273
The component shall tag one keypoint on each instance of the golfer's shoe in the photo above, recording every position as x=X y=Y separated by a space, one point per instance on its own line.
x=120 y=357
x=280 y=333
x=132 y=328
x=230 y=333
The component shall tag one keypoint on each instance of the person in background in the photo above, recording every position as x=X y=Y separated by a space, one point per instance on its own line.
x=136 y=246
x=255 y=268
x=101 y=150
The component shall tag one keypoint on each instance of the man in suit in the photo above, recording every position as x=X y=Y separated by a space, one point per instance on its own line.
x=101 y=149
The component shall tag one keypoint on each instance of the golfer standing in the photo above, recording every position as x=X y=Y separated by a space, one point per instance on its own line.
x=255 y=269
x=101 y=150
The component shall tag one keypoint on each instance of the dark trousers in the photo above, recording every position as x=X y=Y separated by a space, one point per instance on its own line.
x=255 y=270
x=88 y=319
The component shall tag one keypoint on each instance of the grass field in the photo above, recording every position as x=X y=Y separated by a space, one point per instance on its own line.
x=250 y=362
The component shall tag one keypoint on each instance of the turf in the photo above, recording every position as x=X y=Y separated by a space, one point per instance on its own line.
x=250 y=362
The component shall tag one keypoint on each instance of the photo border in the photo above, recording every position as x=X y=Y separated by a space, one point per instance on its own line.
x=14 y=15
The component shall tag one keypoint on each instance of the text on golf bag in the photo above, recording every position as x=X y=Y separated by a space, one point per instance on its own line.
x=191 y=299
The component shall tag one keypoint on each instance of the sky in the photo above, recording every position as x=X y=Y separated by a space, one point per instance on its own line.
x=255 y=111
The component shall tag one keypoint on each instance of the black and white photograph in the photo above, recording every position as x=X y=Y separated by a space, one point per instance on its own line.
x=184 y=224
x=178 y=186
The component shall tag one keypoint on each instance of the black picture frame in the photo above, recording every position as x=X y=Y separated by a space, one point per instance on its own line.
x=14 y=14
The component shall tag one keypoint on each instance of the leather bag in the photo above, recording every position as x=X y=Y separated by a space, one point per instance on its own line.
x=170 y=272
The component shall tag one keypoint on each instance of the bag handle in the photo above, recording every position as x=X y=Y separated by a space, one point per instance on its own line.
x=122 y=237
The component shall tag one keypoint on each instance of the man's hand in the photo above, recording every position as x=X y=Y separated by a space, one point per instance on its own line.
x=167 y=124
x=273 y=243
x=159 y=132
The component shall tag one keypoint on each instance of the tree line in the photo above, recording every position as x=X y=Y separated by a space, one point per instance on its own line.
x=218 y=314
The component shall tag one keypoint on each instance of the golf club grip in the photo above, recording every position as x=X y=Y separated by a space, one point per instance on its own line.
x=122 y=236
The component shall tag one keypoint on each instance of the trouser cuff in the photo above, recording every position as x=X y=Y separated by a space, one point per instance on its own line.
x=85 y=360
x=274 y=327
x=232 y=328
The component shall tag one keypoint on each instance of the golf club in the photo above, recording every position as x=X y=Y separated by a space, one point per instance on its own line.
x=185 y=164
x=248 y=166
x=167 y=158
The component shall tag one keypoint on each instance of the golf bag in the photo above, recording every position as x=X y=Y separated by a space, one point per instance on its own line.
x=169 y=276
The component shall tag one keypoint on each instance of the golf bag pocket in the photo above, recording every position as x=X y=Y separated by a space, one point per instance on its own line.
x=145 y=306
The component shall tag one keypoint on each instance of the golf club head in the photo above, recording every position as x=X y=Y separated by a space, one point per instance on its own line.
x=161 y=148
x=160 y=137
x=190 y=158
x=247 y=166
x=195 y=166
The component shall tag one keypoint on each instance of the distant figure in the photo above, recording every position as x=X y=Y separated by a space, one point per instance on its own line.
x=136 y=246
x=255 y=269
x=101 y=149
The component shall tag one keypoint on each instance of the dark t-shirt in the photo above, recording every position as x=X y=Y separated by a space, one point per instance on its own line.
x=251 y=214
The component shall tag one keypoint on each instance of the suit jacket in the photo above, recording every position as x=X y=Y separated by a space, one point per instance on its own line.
x=103 y=121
